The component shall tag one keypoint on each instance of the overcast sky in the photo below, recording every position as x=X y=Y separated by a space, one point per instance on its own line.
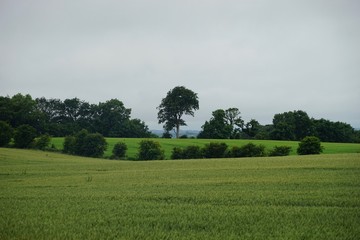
x=263 y=57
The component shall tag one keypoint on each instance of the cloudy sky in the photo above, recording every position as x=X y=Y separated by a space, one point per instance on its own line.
x=263 y=57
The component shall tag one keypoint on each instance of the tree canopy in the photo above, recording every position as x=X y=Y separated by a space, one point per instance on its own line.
x=61 y=118
x=178 y=102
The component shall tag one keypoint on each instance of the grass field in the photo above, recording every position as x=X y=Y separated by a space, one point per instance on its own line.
x=169 y=144
x=55 y=196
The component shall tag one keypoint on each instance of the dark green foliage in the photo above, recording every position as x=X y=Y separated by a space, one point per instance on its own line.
x=328 y=131
x=193 y=152
x=235 y=152
x=292 y=126
x=248 y=150
x=42 y=142
x=166 y=134
x=150 y=150
x=94 y=145
x=85 y=144
x=310 y=145
x=215 y=150
x=6 y=133
x=177 y=153
x=178 y=102
x=217 y=127
x=119 y=150
x=24 y=136
x=69 y=145
x=280 y=151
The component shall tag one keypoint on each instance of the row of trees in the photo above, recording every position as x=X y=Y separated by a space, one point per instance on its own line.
x=112 y=119
x=61 y=118
x=293 y=125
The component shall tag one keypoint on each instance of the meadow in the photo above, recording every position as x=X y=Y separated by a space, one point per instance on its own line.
x=169 y=144
x=55 y=196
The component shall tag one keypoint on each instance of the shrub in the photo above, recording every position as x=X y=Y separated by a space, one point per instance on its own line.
x=24 y=136
x=6 y=133
x=69 y=145
x=85 y=144
x=150 y=150
x=248 y=150
x=80 y=144
x=309 y=145
x=235 y=152
x=215 y=150
x=280 y=151
x=94 y=145
x=42 y=142
x=192 y=152
x=119 y=150
x=177 y=153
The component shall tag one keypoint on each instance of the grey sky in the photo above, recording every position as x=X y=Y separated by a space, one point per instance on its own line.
x=263 y=57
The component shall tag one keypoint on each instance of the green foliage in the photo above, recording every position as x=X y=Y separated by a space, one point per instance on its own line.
x=280 y=151
x=94 y=145
x=310 y=145
x=24 y=136
x=293 y=125
x=6 y=133
x=193 y=152
x=119 y=150
x=178 y=102
x=189 y=152
x=248 y=150
x=215 y=150
x=69 y=145
x=328 y=131
x=42 y=142
x=150 y=150
x=177 y=153
x=85 y=144
x=220 y=126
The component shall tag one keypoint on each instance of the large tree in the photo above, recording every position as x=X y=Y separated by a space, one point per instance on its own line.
x=178 y=102
x=224 y=124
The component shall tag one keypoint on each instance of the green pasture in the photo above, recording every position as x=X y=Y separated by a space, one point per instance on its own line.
x=55 y=196
x=169 y=144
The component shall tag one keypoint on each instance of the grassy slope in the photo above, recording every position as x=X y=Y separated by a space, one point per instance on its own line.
x=169 y=144
x=49 y=195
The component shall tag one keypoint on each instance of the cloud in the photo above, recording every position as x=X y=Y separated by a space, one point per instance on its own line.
x=263 y=57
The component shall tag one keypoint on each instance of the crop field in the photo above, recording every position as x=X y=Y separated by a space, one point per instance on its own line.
x=55 y=196
x=169 y=144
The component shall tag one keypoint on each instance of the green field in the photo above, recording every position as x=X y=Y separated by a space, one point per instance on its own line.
x=54 y=196
x=169 y=144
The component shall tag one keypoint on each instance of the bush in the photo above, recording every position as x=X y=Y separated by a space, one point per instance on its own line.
x=69 y=145
x=94 y=145
x=192 y=152
x=280 y=151
x=177 y=153
x=42 y=142
x=248 y=150
x=119 y=150
x=309 y=145
x=235 y=152
x=6 y=133
x=24 y=136
x=85 y=144
x=150 y=150
x=215 y=150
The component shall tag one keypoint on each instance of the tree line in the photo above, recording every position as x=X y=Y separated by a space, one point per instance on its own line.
x=61 y=118
x=292 y=125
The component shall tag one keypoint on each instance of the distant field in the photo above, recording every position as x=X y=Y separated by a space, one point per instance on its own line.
x=55 y=196
x=169 y=144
